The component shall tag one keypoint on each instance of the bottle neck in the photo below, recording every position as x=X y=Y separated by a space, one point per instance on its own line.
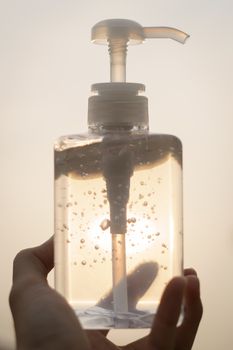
x=97 y=128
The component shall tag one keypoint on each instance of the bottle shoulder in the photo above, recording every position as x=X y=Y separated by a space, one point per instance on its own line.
x=70 y=141
x=84 y=153
x=167 y=137
x=76 y=140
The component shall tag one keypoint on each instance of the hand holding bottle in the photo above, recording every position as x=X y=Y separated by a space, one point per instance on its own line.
x=44 y=320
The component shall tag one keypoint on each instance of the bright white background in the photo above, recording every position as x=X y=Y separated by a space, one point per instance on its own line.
x=47 y=64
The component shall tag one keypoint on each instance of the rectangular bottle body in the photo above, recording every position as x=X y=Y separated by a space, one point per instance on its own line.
x=88 y=257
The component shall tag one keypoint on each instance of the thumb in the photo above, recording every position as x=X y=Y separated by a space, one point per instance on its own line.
x=138 y=282
x=42 y=317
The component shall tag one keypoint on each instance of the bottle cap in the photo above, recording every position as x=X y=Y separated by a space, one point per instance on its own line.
x=118 y=104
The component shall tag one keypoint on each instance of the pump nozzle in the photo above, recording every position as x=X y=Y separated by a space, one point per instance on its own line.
x=165 y=33
x=118 y=33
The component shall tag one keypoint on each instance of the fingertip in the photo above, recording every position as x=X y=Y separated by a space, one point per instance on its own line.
x=193 y=311
x=176 y=285
x=193 y=286
x=163 y=331
x=33 y=263
x=45 y=253
x=190 y=271
x=171 y=301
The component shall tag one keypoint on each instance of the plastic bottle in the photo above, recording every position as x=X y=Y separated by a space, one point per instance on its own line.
x=118 y=198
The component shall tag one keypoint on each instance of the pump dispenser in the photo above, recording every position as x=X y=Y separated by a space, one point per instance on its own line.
x=118 y=198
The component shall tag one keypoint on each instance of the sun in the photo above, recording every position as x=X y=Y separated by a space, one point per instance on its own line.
x=140 y=233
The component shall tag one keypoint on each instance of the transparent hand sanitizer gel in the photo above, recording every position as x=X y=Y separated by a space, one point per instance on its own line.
x=118 y=199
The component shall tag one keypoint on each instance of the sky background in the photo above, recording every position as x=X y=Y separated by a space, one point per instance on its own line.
x=47 y=65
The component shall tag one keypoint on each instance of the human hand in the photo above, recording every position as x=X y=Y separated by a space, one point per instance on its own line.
x=165 y=334
x=44 y=320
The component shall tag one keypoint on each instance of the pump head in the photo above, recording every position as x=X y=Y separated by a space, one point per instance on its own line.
x=120 y=103
x=118 y=33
